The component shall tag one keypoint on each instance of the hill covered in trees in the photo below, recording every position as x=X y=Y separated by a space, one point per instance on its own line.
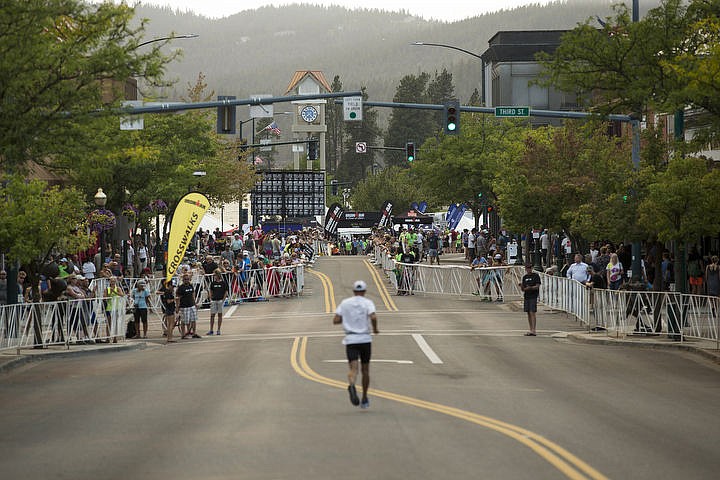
x=257 y=51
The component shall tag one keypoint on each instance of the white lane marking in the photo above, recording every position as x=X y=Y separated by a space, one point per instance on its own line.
x=429 y=353
x=230 y=311
x=403 y=362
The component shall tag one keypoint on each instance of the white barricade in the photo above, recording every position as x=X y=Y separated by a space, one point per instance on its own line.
x=104 y=318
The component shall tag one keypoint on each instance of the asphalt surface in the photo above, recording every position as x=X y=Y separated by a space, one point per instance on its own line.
x=457 y=391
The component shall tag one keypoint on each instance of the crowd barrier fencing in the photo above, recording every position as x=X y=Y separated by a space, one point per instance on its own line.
x=104 y=318
x=616 y=312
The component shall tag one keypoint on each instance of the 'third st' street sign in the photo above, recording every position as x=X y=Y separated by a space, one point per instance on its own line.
x=512 y=111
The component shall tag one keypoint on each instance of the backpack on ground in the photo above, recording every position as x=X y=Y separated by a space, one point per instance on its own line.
x=130 y=331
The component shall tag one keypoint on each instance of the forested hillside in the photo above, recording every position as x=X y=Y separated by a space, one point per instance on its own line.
x=257 y=51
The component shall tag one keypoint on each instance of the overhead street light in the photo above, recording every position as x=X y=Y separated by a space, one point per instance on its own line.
x=447 y=46
x=453 y=47
x=189 y=35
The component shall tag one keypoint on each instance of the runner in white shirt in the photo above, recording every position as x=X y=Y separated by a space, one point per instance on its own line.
x=357 y=314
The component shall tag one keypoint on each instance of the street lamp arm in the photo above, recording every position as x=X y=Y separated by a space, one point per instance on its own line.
x=189 y=35
x=447 y=46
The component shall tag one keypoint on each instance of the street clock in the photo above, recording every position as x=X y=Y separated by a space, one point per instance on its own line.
x=309 y=113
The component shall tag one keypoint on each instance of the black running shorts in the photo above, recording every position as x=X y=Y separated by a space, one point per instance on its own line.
x=359 y=350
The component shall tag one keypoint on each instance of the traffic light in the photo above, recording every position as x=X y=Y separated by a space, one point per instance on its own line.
x=451 y=114
x=244 y=216
x=226 y=117
x=334 y=186
x=410 y=151
x=312 y=149
x=489 y=209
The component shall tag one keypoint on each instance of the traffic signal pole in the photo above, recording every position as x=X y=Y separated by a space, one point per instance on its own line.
x=633 y=121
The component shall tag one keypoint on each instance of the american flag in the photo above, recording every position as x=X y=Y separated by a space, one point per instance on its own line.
x=273 y=127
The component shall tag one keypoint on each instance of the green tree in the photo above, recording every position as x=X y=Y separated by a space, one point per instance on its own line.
x=439 y=90
x=393 y=184
x=456 y=169
x=408 y=124
x=158 y=162
x=682 y=202
x=570 y=179
x=37 y=221
x=56 y=58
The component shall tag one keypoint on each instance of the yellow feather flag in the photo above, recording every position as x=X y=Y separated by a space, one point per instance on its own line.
x=185 y=221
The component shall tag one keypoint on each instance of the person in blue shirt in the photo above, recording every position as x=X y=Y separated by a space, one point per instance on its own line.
x=140 y=295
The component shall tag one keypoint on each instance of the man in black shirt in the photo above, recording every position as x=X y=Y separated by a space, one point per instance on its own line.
x=185 y=300
x=218 y=292
x=530 y=285
x=209 y=265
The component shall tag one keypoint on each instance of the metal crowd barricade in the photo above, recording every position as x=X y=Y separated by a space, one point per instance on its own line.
x=60 y=323
x=87 y=320
x=626 y=312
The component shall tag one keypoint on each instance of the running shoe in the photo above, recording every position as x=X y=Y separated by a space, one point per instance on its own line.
x=217 y=333
x=353 y=395
x=209 y=333
x=195 y=335
x=365 y=403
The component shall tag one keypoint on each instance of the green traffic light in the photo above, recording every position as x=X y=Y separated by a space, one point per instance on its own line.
x=451 y=127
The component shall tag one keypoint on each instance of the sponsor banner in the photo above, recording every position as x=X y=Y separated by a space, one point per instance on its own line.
x=332 y=218
x=185 y=222
x=454 y=215
x=386 y=214
x=308 y=250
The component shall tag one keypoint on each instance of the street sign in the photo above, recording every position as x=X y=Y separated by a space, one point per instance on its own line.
x=265 y=141
x=360 y=147
x=512 y=111
x=352 y=109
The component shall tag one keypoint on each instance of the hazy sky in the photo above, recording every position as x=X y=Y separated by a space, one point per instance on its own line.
x=429 y=9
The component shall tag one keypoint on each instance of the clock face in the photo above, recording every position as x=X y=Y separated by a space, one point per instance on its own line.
x=309 y=113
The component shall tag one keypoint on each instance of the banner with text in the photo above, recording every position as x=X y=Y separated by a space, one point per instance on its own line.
x=386 y=214
x=333 y=217
x=185 y=221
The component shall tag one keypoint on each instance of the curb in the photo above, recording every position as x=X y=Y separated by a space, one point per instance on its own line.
x=24 y=359
x=713 y=355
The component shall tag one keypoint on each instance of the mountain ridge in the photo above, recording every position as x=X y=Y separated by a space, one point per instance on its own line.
x=257 y=51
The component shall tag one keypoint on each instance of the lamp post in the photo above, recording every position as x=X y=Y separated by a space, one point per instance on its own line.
x=100 y=201
x=472 y=54
x=189 y=35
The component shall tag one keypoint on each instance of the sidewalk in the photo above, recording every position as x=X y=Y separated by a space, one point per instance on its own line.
x=9 y=359
x=704 y=348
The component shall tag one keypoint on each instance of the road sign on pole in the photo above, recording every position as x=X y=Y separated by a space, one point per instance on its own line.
x=512 y=111
x=352 y=109
x=360 y=147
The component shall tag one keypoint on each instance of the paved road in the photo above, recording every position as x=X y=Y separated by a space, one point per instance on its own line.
x=457 y=392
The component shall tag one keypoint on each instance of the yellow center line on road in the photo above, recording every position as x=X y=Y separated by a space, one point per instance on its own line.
x=384 y=294
x=328 y=291
x=567 y=463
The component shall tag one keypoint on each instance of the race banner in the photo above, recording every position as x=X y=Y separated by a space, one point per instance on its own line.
x=386 y=215
x=454 y=215
x=333 y=216
x=185 y=222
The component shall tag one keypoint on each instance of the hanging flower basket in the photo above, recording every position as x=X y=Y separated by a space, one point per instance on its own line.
x=101 y=220
x=130 y=212
x=157 y=206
